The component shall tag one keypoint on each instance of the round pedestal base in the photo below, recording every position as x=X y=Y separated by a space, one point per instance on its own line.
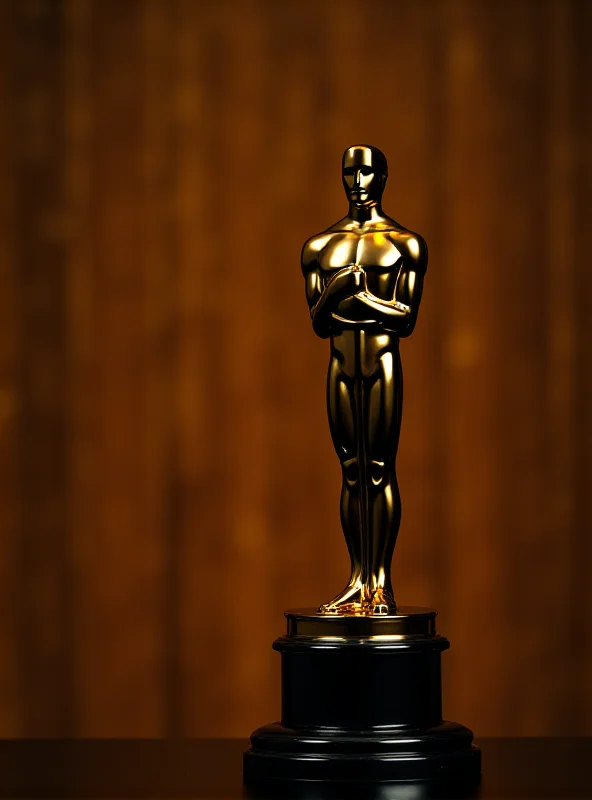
x=361 y=702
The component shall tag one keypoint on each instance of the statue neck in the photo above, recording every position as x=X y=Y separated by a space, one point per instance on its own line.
x=368 y=213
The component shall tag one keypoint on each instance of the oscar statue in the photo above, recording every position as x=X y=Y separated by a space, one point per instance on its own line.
x=361 y=678
x=364 y=277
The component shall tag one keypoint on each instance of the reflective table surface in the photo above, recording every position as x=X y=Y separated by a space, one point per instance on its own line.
x=212 y=768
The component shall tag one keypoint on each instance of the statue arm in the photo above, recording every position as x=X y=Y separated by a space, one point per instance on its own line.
x=321 y=322
x=400 y=313
x=323 y=296
x=409 y=289
x=320 y=311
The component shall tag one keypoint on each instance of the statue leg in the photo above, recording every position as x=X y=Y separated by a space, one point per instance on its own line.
x=341 y=404
x=383 y=419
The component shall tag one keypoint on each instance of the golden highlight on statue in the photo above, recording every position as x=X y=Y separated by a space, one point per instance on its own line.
x=364 y=278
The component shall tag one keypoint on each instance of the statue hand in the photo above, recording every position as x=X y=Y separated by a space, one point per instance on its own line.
x=347 y=282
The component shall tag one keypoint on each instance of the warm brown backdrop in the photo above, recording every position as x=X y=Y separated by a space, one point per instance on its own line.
x=167 y=481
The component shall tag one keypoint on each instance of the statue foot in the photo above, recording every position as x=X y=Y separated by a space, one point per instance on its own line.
x=354 y=599
x=383 y=603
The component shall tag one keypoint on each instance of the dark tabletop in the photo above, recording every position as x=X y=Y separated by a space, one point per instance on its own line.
x=212 y=768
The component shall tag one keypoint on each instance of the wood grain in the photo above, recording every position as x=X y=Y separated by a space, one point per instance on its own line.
x=167 y=479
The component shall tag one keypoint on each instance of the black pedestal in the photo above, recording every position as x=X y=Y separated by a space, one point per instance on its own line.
x=361 y=701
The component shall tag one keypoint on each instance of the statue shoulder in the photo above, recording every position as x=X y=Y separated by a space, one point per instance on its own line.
x=311 y=249
x=412 y=247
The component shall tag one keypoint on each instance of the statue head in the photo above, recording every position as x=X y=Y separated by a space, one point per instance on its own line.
x=364 y=174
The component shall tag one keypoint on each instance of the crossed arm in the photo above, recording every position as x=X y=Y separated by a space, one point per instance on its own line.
x=398 y=314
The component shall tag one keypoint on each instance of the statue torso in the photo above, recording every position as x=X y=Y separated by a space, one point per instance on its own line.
x=360 y=337
x=378 y=252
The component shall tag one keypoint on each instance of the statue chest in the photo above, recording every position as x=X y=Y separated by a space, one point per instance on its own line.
x=376 y=253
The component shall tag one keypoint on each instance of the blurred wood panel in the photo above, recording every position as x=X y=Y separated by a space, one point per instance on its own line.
x=10 y=699
x=167 y=480
x=580 y=173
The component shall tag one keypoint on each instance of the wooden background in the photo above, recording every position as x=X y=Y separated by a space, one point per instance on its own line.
x=167 y=480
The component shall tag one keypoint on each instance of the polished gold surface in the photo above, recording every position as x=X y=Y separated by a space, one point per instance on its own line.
x=364 y=278
x=407 y=622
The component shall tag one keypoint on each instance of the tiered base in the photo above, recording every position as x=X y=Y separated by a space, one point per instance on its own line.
x=361 y=701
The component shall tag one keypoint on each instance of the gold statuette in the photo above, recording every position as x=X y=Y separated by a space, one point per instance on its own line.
x=361 y=678
x=364 y=278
